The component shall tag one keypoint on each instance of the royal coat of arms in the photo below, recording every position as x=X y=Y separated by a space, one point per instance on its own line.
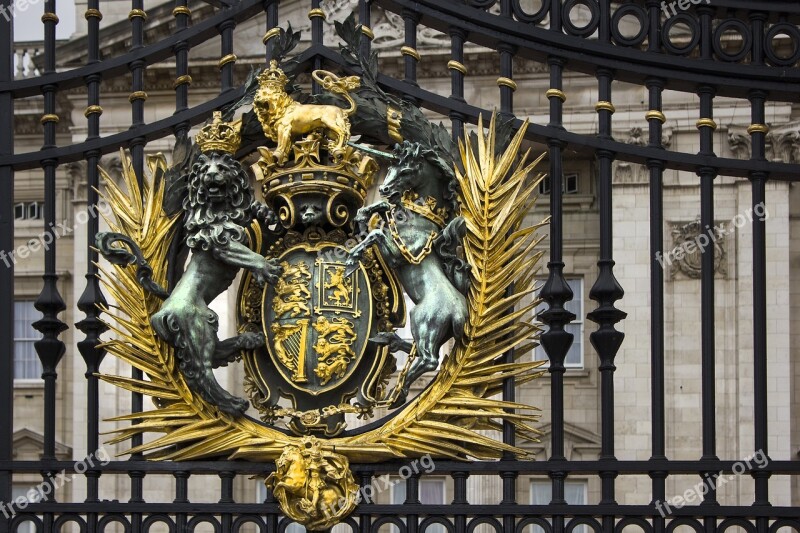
x=323 y=284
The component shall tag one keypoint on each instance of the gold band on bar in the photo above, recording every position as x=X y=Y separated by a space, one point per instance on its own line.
x=605 y=106
x=408 y=51
x=137 y=13
x=317 y=13
x=558 y=93
x=230 y=58
x=93 y=110
x=457 y=66
x=502 y=81
x=706 y=123
x=182 y=80
x=758 y=128
x=656 y=114
x=50 y=17
x=274 y=32
x=366 y=30
x=393 y=118
x=49 y=118
x=181 y=10
x=93 y=13
x=137 y=95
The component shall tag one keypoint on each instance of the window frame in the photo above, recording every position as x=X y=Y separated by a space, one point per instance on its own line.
x=38 y=363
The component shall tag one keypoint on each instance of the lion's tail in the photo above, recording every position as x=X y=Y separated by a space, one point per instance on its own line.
x=343 y=87
x=120 y=256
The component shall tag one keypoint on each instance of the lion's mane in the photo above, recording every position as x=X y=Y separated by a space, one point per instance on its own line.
x=209 y=224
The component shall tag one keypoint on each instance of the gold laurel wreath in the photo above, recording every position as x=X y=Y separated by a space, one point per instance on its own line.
x=453 y=418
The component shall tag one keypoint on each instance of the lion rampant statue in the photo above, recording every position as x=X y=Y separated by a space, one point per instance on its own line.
x=283 y=119
x=219 y=204
x=218 y=207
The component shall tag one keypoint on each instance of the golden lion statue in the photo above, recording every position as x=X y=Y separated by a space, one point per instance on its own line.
x=283 y=119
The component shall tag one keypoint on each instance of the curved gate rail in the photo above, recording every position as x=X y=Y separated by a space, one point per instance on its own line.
x=698 y=63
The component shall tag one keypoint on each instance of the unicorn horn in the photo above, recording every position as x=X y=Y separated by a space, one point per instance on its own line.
x=372 y=151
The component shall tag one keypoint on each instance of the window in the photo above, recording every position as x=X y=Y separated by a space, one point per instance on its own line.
x=431 y=492
x=28 y=211
x=542 y=493
x=26 y=362
x=570 y=185
x=574 y=357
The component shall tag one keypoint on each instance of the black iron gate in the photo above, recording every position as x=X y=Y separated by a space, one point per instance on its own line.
x=699 y=63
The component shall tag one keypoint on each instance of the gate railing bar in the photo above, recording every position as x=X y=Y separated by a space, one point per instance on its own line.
x=581 y=144
x=227 y=57
x=448 y=509
x=656 y=119
x=507 y=86
x=409 y=52
x=555 y=291
x=271 y=9
x=760 y=392
x=92 y=297
x=606 y=290
x=458 y=72
x=522 y=467
x=153 y=53
x=7 y=273
x=50 y=348
x=365 y=19
x=183 y=15
x=586 y=55
x=317 y=16
x=138 y=96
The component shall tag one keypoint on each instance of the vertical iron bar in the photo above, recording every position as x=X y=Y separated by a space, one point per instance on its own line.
x=556 y=292
x=409 y=51
x=412 y=498
x=317 y=16
x=654 y=30
x=183 y=15
x=272 y=23
x=656 y=119
x=707 y=126
x=457 y=73
x=228 y=58
x=137 y=18
x=460 y=498
x=605 y=291
x=50 y=348
x=7 y=271
x=758 y=132
x=226 y=497
x=92 y=296
x=507 y=86
x=365 y=19
x=365 y=521
x=181 y=496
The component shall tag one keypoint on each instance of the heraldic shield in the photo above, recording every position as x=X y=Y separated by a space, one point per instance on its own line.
x=317 y=321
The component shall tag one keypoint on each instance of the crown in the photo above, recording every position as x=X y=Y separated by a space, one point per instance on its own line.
x=273 y=76
x=219 y=136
